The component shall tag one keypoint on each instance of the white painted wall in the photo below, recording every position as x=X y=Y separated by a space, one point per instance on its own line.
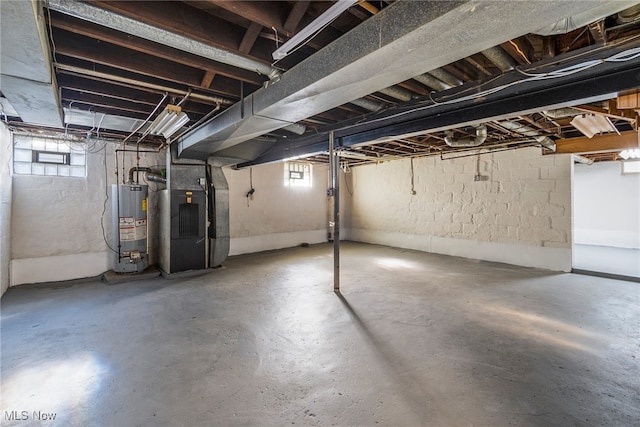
x=6 y=151
x=521 y=215
x=606 y=206
x=278 y=216
x=55 y=227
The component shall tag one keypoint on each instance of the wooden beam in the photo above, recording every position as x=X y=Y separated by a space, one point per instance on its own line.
x=520 y=49
x=250 y=38
x=295 y=16
x=125 y=59
x=207 y=79
x=266 y=14
x=602 y=143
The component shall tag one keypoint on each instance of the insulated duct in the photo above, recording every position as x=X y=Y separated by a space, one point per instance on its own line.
x=481 y=137
x=367 y=104
x=446 y=77
x=578 y=20
x=560 y=113
x=516 y=127
x=430 y=81
x=498 y=56
x=358 y=64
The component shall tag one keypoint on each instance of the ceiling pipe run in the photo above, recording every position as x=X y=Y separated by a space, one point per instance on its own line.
x=481 y=137
x=88 y=12
x=581 y=159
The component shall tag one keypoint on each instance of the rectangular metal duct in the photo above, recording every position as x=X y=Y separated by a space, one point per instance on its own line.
x=406 y=39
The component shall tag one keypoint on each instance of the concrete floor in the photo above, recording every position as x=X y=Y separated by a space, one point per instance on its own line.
x=416 y=339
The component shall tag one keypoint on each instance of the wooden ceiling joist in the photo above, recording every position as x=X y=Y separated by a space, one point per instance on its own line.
x=601 y=143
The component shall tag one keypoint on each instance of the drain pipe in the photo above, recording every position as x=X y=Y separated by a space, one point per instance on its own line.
x=481 y=137
x=516 y=127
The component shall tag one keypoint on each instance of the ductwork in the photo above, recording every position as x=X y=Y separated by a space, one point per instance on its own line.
x=367 y=104
x=561 y=113
x=498 y=56
x=581 y=159
x=296 y=128
x=358 y=64
x=578 y=20
x=128 y=25
x=397 y=93
x=74 y=116
x=446 y=77
x=430 y=81
x=516 y=127
x=27 y=79
x=481 y=137
x=212 y=99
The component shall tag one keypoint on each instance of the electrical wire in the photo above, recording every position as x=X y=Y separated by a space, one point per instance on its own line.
x=624 y=56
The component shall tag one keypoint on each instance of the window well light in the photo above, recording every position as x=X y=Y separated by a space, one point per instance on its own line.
x=168 y=122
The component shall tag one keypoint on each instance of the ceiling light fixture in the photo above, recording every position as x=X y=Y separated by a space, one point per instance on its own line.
x=168 y=122
x=633 y=153
x=592 y=124
x=312 y=29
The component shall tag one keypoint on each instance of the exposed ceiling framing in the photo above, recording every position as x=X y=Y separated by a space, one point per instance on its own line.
x=103 y=73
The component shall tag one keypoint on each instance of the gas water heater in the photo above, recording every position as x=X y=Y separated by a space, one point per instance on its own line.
x=129 y=203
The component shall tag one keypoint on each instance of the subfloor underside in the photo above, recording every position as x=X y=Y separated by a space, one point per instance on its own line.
x=414 y=339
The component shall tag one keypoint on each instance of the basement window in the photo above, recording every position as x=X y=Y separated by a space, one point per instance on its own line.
x=297 y=174
x=34 y=155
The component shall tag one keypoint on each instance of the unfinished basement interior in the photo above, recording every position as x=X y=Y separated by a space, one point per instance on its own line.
x=345 y=213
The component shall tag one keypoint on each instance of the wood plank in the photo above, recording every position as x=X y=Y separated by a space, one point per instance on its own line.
x=250 y=37
x=207 y=79
x=602 y=143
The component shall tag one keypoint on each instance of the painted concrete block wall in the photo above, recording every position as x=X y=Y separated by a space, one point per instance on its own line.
x=6 y=145
x=56 y=231
x=277 y=216
x=606 y=206
x=521 y=213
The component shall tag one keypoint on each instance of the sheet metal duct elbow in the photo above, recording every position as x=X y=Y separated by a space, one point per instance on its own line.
x=481 y=137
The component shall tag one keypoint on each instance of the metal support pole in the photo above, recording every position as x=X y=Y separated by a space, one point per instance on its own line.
x=334 y=169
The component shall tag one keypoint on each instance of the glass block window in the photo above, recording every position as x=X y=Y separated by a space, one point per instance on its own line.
x=297 y=174
x=33 y=155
